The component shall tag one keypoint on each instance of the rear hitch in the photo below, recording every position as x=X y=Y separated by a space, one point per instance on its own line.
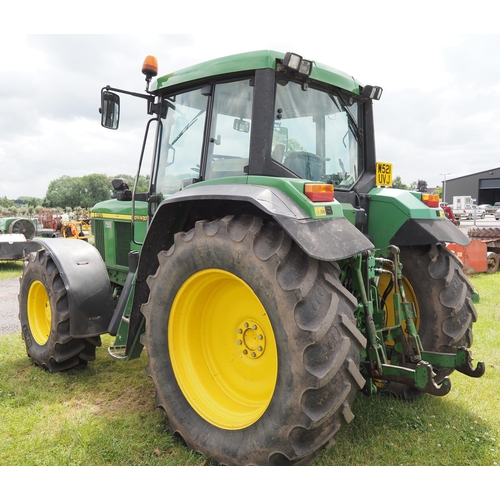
x=460 y=361
x=465 y=365
x=421 y=377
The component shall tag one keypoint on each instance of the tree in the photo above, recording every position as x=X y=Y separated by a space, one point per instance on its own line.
x=422 y=186
x=63 y=192
x=93 y=189
x=83 y=191
x=398 y=183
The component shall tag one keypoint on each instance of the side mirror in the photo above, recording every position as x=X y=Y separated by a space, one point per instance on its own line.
x=110 y=109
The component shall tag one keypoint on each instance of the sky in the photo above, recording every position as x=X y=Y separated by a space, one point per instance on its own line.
x=438 y=115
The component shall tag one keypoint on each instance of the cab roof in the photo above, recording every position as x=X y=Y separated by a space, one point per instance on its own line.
x=249 y=61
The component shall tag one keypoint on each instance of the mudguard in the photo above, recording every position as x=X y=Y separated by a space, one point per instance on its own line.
x=428 y=232
x=323 y=239
x=86 y=280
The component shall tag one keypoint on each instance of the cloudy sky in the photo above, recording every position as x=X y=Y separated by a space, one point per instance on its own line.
x=439 y=113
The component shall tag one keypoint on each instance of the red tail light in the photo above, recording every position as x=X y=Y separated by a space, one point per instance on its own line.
x=431 y=200
x=319 y=192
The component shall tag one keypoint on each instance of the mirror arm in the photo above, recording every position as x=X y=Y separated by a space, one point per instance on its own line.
x=152 y=108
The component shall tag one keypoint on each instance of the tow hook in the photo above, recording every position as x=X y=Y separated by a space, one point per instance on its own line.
x=460 y=361
x=464 y=364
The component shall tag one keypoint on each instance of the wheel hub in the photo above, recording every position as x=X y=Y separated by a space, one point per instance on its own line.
x=252 y=339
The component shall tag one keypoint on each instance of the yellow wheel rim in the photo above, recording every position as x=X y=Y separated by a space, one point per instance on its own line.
x=389 y=303
x=223 y=349
x=39 y=312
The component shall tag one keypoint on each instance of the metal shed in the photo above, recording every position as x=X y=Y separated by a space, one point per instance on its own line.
x=484 y=187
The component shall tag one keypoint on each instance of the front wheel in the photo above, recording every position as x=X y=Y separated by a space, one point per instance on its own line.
x=45 y=318
x=252 y=345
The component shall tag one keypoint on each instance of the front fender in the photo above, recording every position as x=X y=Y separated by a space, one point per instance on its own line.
x=86 y=280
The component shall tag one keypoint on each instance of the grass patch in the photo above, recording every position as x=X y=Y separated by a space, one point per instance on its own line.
x=105 y=414
x=101 y=415
x=10 y=269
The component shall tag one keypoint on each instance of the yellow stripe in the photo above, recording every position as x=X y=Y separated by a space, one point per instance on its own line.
x=96 y=215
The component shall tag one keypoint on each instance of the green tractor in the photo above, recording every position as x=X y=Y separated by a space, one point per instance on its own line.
x=270 y=270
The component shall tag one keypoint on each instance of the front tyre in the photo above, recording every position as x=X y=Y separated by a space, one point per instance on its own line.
x=252 y=345
x=45 y=318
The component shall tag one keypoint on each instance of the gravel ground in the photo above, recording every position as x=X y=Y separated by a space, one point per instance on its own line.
x=9 y=307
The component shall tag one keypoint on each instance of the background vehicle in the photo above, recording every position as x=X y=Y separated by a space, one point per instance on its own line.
x=483 y=253
x=489 y=209
x=478 y=212
x=16 y=234
x=469 y=212
x=269 y=270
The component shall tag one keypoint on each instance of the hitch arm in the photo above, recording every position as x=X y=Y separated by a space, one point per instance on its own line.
x=421 y=377
x=461 y=361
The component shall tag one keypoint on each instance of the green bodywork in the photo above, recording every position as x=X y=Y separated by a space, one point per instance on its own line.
x=111 y=227
x=390 y=208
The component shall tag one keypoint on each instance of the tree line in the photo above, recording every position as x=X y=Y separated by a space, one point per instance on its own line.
x=71 y=192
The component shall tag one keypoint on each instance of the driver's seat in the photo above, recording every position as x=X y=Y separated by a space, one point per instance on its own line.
x=307 y=165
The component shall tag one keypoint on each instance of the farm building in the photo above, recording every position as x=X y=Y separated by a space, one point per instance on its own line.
x=484 y=187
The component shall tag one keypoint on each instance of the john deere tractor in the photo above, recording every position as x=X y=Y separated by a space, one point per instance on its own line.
x=270 y=270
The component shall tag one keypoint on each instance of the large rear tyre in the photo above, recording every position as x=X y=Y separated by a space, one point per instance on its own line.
x=442 y=294
x=45 y=318
x=252 y=345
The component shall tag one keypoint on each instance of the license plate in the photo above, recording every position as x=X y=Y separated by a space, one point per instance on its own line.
x=384 y=174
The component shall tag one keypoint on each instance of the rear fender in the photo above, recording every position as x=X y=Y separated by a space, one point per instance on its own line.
x=86 y=280
x=325 y=239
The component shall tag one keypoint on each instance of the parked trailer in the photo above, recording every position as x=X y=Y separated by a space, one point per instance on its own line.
x=483 y=253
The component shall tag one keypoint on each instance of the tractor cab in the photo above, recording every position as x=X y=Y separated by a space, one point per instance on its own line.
x=275 y=116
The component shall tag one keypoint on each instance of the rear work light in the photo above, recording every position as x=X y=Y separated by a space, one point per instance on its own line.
x=319 y=192
x=431 y=200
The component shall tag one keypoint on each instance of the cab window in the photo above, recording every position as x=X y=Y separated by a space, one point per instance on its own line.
x=229 y=141
x=181 y=141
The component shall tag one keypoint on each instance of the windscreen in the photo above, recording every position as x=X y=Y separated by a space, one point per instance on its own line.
x=316 y=134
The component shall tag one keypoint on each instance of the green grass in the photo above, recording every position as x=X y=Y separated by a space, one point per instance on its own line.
x=10 y=269
x=105 y=414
